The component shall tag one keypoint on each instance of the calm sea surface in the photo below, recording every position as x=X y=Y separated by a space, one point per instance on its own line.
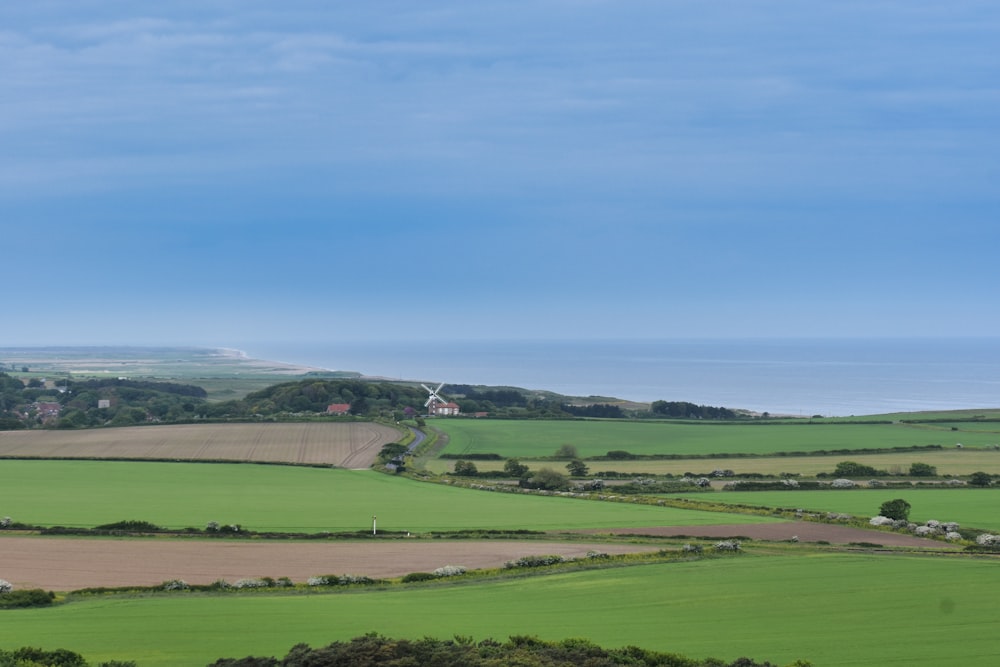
x=800 y=377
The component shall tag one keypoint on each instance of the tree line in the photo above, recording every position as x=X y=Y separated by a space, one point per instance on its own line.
x=123 y=402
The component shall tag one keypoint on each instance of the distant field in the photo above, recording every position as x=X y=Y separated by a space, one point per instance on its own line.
x=347 y=444
x=530 y=439
x=973 y=508
x=830 y=609
x=282 y=498
x=947 y=461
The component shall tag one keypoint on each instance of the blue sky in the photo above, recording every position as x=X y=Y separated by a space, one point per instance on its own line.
x=217 y=172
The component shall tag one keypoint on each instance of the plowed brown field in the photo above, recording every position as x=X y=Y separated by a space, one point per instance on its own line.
x=344 y=444
x=62 y=564
x=804 y=531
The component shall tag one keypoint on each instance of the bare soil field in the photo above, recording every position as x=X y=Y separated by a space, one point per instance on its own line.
x=344 y=444
x=66 y=564
x=805 y=531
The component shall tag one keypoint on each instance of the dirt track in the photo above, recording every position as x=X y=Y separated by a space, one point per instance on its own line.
x=62 y=564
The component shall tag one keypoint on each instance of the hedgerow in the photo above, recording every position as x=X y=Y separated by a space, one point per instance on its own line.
x=374 y=649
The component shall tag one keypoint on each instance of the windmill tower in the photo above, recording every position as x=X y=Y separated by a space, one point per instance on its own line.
x=434 y=399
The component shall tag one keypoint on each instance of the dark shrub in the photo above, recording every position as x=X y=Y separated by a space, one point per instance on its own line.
x=131 y=525
x=897 y=509
x=30 y=597
x=60 y=657
x=922 y=470
x=980 y=479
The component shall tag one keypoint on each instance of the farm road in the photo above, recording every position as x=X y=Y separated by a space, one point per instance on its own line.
x=62 y=564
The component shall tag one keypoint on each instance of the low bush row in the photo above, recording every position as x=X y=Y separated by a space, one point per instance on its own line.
x=22 y=599
x=28 y=656
x=373 y=649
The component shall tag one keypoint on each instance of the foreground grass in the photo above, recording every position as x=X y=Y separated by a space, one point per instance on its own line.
x=972 y=508
x=289 y=499
x=832 y=609
x=532 y=439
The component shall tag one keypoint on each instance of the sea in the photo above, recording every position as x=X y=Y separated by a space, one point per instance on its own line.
x=800 y=377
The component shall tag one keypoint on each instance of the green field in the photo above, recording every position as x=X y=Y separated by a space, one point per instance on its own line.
x=296 y=499
x=534 y=439
x=831 y=609
x=947 y=461
x=972 y=508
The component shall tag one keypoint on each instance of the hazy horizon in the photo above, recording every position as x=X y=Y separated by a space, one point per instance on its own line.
x=203 y=173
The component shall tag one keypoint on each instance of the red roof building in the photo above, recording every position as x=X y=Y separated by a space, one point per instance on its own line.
x=338 y=408
x=445 y=409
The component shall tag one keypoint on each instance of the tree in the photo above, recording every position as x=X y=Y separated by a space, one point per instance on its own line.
x=514 y=468
x=577 y=468
x=897 y=509
x=546 y=478
x=980 y=479
x=567 y=451
x=922 y=470
x=466 y=468
x=392 y=450
x=852 y=469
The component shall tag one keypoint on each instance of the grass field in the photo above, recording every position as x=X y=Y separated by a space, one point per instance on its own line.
x=947 y=461
x=530 y=439
x=831 y=609
x=281 y=498
x=972 y=508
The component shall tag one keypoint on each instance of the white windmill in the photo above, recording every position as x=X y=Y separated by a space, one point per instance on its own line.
x=434 y=399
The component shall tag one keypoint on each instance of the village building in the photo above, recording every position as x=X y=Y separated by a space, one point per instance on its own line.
x=444 y=409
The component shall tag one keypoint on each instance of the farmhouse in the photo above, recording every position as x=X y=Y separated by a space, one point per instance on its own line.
x=338 y=408
x=444 y=409
x=47 y=409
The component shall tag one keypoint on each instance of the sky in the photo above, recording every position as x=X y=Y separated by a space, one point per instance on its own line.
x=212 y=172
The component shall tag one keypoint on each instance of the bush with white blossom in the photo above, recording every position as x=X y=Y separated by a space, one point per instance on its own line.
x=881 y=521
x=534 y=561
x=5 y=522
x=727 y=545
x=988 y=540
x=251 y=582
x=449 y=571
x=175 y=585
x=341 y=580
x=5 y=586
x=843 y=484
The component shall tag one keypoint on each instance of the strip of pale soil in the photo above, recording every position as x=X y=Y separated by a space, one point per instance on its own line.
x=65 y=564
x=806 y=531
x=344 y=444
